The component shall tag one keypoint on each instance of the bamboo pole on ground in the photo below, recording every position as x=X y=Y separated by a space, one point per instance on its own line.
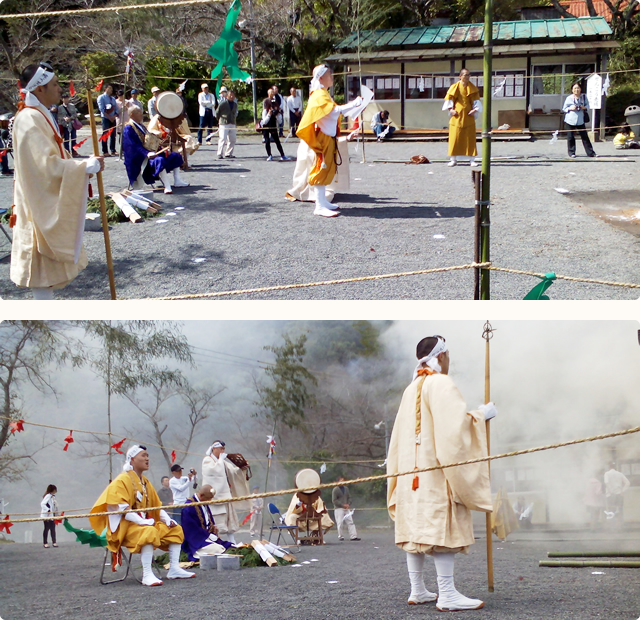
x=593 y=554
x=487 y=334
x=103 y=205
x=592 y=563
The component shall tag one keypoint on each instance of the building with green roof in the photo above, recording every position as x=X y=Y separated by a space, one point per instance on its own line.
x=534 y=64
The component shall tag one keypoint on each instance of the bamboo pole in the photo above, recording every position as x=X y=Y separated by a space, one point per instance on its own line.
x=593 y=554
x=487 y=334
x=103 y=205
x=485 y=218
x=592 y=563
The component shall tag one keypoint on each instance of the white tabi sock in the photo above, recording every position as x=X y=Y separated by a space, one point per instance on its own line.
x=164 y=177
x=177 y=181
x=138 y=183
x=148 y=576
x=449 y=599
x=419 y=593
x=453 y=161
x=175 y=572
x=321 y=198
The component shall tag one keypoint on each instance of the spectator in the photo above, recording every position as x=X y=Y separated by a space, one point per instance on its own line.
x=265 y=104
x=342 y=510
x=54 y=113
x=109 y=113
x=594 y=500
x=625 y=139
x=257 y=504
x=269 y=123
x=151 y=104
x=164 y=492
x=524 y=512
x=206 y=107
x=123 y=117
x=134 y=99
x=277 y=99
x=294 y=106
x=49 y=508
x=5 y=144
x=575 y=109
x=67 y=114
x=381 y=125
x=180 y=487
x=615 y=484
x=227 y=112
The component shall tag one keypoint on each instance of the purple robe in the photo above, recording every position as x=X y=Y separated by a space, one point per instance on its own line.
x=135 y=158
x=195 y=530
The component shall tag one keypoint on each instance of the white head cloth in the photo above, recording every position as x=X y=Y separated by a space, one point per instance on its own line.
x=318 y=72
x=41 y=77
x=431 y=360
x=216 y=444
x=131 y=452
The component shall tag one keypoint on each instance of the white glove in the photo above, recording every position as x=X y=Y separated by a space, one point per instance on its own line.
x=166 y=519
x=134 y=517
x=151 y=154
x=93 y=166
x=489 y=411
x=358 y=101
x=223 y=456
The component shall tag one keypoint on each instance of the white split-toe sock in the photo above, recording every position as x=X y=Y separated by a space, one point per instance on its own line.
x=164 y=177
x=419 y=593
x=449 y=599
x=148 y=576
x=323 y=206
x=474 y=162
x=175 y=572
x=452 y=162
x=177 y=180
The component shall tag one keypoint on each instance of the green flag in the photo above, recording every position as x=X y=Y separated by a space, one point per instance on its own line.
x=537 y=292
x=86 y=537
x=222 y=50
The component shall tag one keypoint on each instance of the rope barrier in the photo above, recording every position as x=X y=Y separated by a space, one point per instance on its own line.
x=330 y=485
x=107 y=9
x=285 y=287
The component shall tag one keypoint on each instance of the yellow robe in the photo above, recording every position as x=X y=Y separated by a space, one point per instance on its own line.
x=139 y=495
x=291 y=517
x=50 y=194
x=437 y=515
x=462 y=128
x=324 y=146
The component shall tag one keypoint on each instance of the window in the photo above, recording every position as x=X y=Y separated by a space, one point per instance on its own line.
x=428 y=86
x=557 y=79
x=383 y=86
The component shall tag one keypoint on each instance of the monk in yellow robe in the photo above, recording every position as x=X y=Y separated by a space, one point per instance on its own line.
x=50 y=192
x=142 y=531
x=318 y=129
x=432 y=510
x=463 y=103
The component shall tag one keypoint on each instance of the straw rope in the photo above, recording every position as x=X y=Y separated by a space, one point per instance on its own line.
x=568 y=278
x=108 y=9
x=330 y=485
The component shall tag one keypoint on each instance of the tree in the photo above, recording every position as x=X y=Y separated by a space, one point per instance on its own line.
x=29 y=350
x=287 y=396
x=127 y=354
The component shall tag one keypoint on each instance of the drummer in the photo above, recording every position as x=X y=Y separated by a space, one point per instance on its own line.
x=170 y=106
x=308 y=504
x=141 y=163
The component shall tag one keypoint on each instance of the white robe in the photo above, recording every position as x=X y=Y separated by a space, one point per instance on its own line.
x=437 y=515
x=305 y=160
x=50 y=198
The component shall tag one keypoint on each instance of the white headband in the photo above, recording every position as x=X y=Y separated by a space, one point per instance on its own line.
x=131 y=452
x=41 y=77
x=431 y=359
x=318 y=72
x=217 y=444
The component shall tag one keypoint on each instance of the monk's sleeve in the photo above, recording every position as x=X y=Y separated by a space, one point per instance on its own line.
x=54 y=190
x=392 y=468
x=460 y=435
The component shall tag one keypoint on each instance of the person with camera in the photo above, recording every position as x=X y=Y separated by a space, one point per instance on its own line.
x=575 y=117
x=180 y=486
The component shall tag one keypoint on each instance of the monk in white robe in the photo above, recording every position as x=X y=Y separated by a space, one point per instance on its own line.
x=228 y=481
x=432 y=510
x=50 y=192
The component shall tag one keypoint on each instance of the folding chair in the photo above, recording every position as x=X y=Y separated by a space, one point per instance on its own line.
x=127 y=558
x=6 y=234
x=280 y=527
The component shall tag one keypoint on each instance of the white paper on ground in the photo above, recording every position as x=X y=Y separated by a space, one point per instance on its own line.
x=179 y=208
x=161 y=221
x=333 y=582
x=199 y=259
x=438 y=236
x=562 y=190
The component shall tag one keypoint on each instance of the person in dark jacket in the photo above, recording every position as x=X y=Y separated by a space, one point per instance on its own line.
x=342 y=508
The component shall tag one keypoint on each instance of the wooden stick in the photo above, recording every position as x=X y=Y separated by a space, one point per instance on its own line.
x=103 y=205
x=487 y=333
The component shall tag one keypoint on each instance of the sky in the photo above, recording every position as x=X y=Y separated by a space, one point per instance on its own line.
x=551 y=381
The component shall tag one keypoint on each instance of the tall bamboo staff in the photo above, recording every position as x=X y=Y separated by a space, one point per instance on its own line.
x=487 y=334
x=103 y=205
x=269 y=459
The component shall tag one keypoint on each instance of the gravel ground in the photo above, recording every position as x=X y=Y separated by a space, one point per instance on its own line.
x=371 y=578
x=236 y=218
